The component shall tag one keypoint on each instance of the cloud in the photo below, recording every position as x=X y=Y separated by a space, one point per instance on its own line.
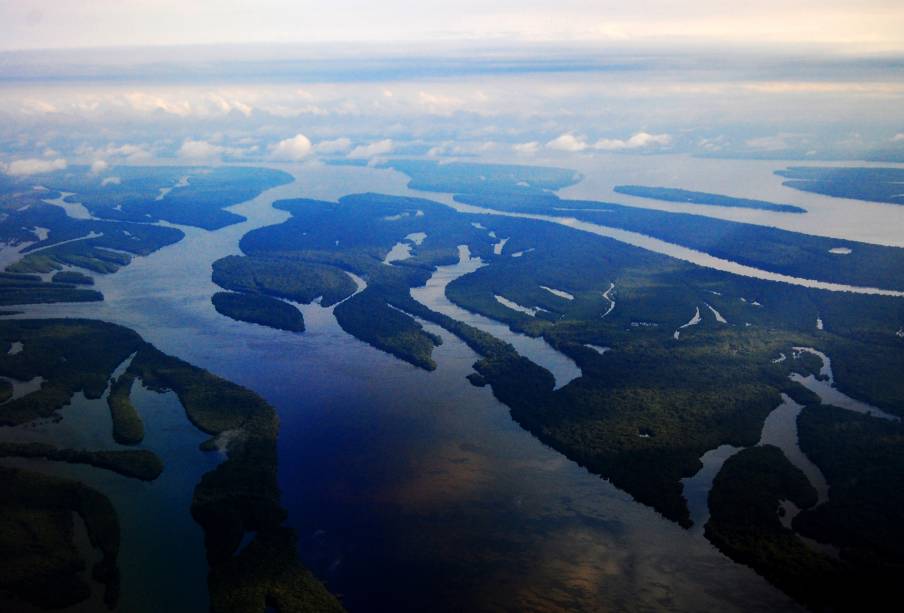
x=716 y=143
x=143 y=102
x=897 y=138
x=640 y=140
x=296 y=148
x=133 y=153
x=38 y=107
x=129 y=152
x=769 y=143
x=450 y=148
x=573 y=144
x=227 y=105
x=438 y=104
x=200 y=150
x=526 y=148
x=110 y=181
x=339 y=145
x=376 y=148
x=98 y=166
x=567 y=142
x=32 y=166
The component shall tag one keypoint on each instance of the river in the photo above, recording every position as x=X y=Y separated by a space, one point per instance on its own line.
x=414 y=490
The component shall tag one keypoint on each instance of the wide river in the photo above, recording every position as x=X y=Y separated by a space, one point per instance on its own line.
x=414 y=490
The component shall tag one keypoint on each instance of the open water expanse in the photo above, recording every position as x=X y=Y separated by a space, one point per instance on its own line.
x=414 y=490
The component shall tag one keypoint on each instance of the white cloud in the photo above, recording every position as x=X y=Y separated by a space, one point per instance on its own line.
x=712 y=144
x=339 y=145
x=296 y=148
x=526 y=148
x=439 y=104
x=110 y=181
x=144 y=102
x=31 y=166
x=129 y=152
x=450 y=148
x=227 y=105
x=567 y=142
x=379 y=147
x=132 y=153
x=640 y=140
x=899 y=137
x=769 y=143
x=200 y=150
x=98 y=166
x=36 y=107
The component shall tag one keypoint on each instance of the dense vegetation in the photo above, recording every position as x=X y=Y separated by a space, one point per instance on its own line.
x=128 y=429
x=781 y=251
x=671 y=194
x=745 y=524
x=71 y=356
x=136 y=463
x=297 y=281
x=95 y=245
x=310 y=254
x=463 y=178
x=73 y=277
x=878 y=184
x=192 y=196
x=259 y=310
x=239 y=496
x=863 y=459
x=39 y=562
x=370 y=317
x=124 y=209
x=30 y=289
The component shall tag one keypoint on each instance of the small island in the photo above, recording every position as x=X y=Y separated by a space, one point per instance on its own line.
x=257 y=309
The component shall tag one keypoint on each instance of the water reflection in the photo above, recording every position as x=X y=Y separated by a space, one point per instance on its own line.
x=414 y=490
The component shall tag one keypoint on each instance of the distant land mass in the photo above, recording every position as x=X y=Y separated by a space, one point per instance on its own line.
x=876 y=184
x=673 y=194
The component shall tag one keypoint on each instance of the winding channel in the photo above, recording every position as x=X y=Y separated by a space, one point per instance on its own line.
x=433 y=296
x=679 y=252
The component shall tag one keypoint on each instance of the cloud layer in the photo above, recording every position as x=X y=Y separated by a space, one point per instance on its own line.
x=33 y=166
x=363 y=152
x=641 y=140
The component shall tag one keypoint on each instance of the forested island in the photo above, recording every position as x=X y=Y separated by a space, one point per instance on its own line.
x=671 y=194
x=876 y=184
x=239 y=497
x=70 y=219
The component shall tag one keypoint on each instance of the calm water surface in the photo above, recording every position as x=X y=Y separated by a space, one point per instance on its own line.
x=413 y=490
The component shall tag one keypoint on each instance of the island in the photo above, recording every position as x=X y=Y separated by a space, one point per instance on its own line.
x=857 y=183
x=240 y=496
x=672 y=194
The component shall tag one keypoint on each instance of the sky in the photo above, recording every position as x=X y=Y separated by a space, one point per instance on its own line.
x=141 y=81
x=843 y=25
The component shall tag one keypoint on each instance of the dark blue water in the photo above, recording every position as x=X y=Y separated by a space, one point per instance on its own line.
x=412 y=490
